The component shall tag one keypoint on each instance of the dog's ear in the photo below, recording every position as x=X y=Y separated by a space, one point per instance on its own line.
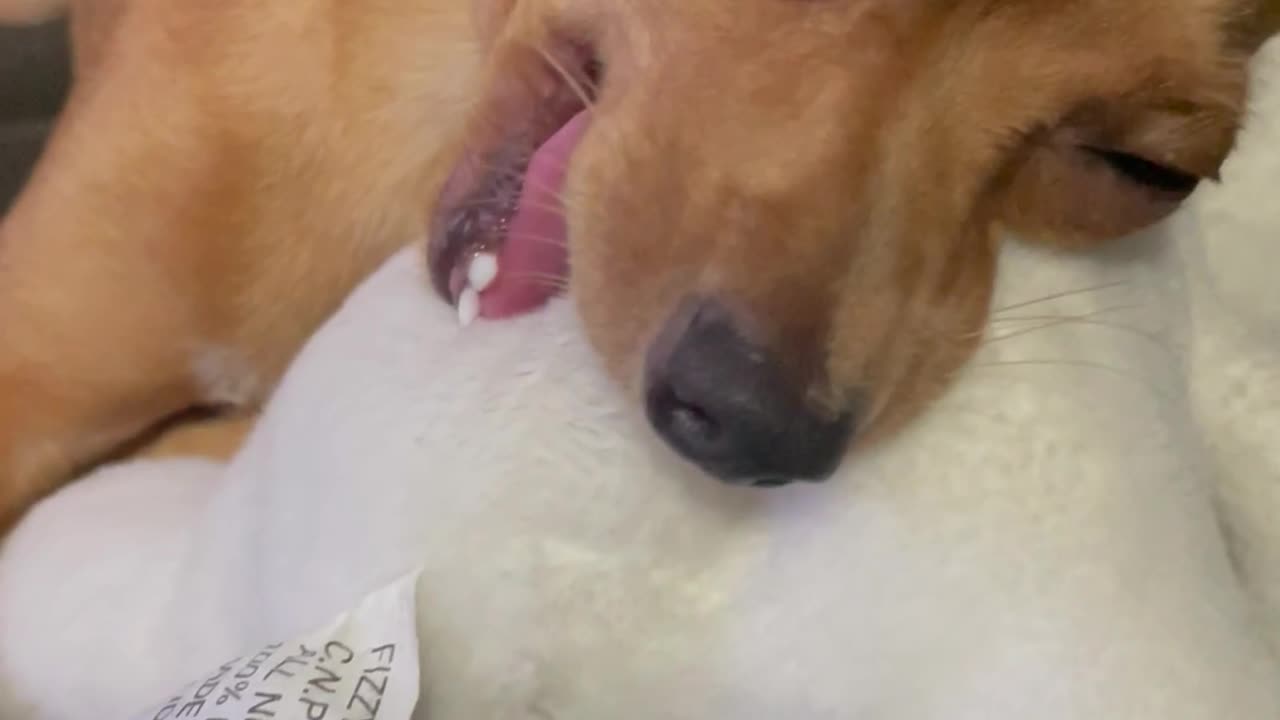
x=1258 y=23
x=1270 y=17
x=490 y=17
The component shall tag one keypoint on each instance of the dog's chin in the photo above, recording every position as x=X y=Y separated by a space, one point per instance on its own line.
x=498 y=237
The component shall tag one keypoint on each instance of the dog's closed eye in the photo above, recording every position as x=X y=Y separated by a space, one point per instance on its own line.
x=1079 y=186
x=1145 y=173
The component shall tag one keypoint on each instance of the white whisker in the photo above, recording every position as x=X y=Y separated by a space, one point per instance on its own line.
x=1057 y=296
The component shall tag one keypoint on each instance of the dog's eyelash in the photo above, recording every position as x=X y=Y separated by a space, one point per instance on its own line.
x=1144 y=172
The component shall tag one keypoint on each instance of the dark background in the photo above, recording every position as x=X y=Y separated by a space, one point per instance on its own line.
x=34 y=75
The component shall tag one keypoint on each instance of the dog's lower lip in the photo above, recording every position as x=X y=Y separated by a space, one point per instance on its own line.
x=512 y=214
x=462 y=231
x=489 y=200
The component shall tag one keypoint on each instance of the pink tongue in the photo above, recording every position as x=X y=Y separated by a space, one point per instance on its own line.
x=535 y=252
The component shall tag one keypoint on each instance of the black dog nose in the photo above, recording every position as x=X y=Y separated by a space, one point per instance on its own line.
x=722 y=402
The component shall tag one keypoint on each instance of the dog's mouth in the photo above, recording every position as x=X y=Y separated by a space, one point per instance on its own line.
x=499 y=238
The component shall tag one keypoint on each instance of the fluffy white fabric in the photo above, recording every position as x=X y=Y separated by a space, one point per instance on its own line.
x=1043 y=544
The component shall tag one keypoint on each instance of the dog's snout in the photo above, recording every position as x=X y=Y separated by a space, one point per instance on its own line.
x=724 y=402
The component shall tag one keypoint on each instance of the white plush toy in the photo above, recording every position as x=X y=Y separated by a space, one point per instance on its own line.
x=1043 y=544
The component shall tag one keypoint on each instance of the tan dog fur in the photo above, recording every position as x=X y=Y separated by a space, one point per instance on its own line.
x=226 y=172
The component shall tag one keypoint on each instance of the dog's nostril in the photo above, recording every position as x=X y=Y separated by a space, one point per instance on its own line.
x=694 y=423
x=721 y=402
x=690 y=424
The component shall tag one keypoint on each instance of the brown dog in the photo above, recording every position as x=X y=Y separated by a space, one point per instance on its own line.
x=780 y=214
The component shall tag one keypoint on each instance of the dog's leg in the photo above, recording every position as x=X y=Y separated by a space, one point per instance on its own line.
x=185 y=233
x=115 y=277
x=83 y=370
x=98 y=336
x=216 y=438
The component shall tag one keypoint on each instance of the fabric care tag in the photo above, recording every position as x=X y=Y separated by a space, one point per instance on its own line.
x=362 y=666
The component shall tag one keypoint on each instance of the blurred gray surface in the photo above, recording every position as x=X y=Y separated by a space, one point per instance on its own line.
x=34 y=76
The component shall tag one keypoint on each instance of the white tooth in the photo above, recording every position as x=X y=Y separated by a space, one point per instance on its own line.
x=482 y=271
x=468 y=306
